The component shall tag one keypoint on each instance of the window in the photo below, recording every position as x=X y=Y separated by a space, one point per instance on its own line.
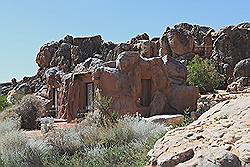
x=90 y=95
x=146 y=92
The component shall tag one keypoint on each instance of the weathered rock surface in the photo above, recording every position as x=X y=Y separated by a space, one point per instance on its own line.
x=242 y=68
x=119 y=75
x=232 y=45
x=180 y=41
x=184 y=40
x=239 y=85
x=219 y=138
x=165 y=77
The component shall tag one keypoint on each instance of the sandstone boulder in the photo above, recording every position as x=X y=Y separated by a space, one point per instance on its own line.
x=242 y=68
x=169 y=93
x=112 y=55
x=45 y=54
x=180 y=41
x=219 y=138
x=143 y=36
x=197 y=31
x=186 y=39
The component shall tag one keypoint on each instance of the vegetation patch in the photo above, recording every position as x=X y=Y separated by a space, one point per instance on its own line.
x=203 y=74
x=3 y=103
x=125 y=143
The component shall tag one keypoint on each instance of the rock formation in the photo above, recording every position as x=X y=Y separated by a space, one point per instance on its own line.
x=148 y=86
x=232 y=44
x=242 y=68
x=219 y=138
x=118 y=69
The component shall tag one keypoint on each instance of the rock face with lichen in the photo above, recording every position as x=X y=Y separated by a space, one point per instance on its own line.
x=219 y=138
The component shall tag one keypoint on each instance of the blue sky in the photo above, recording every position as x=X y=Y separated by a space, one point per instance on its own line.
x=25 y=25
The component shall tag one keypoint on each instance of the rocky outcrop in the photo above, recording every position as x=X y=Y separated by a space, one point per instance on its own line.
x=180 y=41
x=184 y=40
x=6 y=87
x=165 y=77
x=232 y=45
x=242 y=68
x=238 y=85
x=69 y=52
x=149 y=86
x=219 y=138
x=118 y=69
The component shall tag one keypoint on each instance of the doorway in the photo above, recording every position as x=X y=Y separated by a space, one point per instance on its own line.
x=145 y=92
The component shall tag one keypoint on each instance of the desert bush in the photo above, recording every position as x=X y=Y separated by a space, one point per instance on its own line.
x=125 y=143
x=64 y=141
x=141 y=128
x=9 y=125
x=132 y=154
x=203 y=74
x=28 y=110
x=16 y=149
x=107 y=116
x=8 y=114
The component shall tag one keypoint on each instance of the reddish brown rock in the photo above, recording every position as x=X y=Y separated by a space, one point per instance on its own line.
x=45 y=54
x=135 y=40
x=180 y=41
x=136 y=84
x=232 y=46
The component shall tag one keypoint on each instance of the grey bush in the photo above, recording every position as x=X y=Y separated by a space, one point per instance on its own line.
x=28 y=110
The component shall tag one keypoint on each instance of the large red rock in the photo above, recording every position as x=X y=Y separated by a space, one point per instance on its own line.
x=180 y=41
x=45 y=54
x=125 y=83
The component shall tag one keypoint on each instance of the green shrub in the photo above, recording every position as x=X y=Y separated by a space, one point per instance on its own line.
x=3 y=103
x=203 y=74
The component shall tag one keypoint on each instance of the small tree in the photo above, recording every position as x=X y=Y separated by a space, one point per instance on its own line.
x=203 y=73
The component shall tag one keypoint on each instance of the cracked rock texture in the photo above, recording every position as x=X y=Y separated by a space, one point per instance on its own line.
x=219 y=138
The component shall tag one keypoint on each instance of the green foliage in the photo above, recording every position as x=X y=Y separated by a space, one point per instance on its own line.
x=129 y=154
x=203 y=74
x=3 y=103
